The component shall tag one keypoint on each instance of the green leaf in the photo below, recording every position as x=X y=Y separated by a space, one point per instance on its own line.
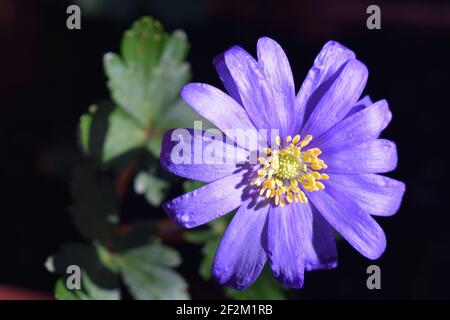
x=147 y=273
x=85 y=128
x=191 y=185
x=209 y=252
x=95 y=292
x=266 y=287
x=198 y=236
x=152 y=187
x=154 y=254
x=62 y=293
x=107 y=132
x=146 y=79
x=95 y=210
x=154 y=145
x=98 y=282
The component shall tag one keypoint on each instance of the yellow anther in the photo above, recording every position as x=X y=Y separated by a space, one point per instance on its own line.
x=310 y=177
x=316 y=166
x=306 y=140
x=289 y=197
x=277 y=200
x=278 y=141
x=287 y=173
x=272 y=183
x=262 y=191
x=279 y=183
x=302 y=197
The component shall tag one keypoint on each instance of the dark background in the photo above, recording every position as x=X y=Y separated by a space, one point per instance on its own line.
x=50 y=75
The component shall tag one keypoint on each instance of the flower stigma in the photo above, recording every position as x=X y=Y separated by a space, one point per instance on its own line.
x=287 y=171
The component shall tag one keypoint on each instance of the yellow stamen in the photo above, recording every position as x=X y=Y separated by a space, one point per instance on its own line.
x=285 y=174
x=289 y=197
x=278 y=141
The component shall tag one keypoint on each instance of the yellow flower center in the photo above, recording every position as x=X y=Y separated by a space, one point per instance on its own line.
x=287 y=172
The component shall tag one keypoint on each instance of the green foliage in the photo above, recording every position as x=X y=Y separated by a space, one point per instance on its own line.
x=146 y=271
x=190 y=185
x=144 y=264
x=98 y=282
x=62 y=293
x=144 y=82
x=107 y=132
x=150 y=72
x=151 y=186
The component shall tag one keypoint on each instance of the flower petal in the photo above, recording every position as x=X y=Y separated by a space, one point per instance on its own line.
x=376 y=156
x=332 y=56
x=219 y=108
x=363 y=126
x=208 y=202
x=360 y=105
x=373 y=193
x=319 y=245
x=356 y=226
x=184 y=153
x=253 y=88
x=225 y=76
x=333 y=104
x=275 y=64
x=284 y=245
x=241 y=256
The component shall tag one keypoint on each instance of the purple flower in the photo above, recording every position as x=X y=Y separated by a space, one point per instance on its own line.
x=320 y=173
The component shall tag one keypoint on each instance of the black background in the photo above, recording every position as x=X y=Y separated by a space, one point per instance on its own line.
x=50 y=75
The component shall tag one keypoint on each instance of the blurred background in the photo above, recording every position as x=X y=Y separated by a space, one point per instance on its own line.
x=49 y=76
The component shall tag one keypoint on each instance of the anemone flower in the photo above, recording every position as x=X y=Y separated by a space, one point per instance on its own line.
x=320 y=173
